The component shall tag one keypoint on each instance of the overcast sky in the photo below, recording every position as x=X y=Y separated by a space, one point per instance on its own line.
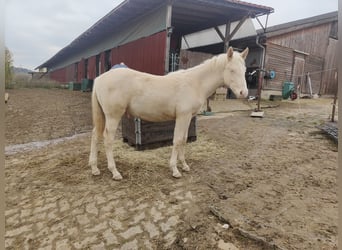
x=35 y=30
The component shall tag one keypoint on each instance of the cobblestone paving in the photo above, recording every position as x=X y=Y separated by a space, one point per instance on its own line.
x=53 y=202
x=106 y=220
x=331 y=129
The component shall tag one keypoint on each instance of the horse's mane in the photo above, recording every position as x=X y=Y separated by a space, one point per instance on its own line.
x=217 y=61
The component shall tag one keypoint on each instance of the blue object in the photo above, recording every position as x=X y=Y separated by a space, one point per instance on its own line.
x=272 y=74
x=121 y=65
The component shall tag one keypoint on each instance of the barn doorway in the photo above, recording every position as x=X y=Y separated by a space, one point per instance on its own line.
x=298 y=74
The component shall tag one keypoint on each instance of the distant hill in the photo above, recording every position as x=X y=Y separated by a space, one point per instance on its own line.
x=21 y=74
x=19 y=70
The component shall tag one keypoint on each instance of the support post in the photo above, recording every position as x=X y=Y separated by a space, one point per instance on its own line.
x=226 y=39
x=229 y=35
x=335 y=101
x=238 y=26
x=168 y=37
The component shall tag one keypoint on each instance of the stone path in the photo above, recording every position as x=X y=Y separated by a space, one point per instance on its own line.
x=106 y=220
x=331 y=129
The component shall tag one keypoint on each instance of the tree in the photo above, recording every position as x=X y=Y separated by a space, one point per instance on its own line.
x=8 y=67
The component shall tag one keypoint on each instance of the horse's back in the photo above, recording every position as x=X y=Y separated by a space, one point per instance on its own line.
x=125 y=78
x=150 y=97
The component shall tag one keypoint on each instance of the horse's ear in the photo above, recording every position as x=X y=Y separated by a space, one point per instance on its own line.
x=245 y=53
x=230 y=53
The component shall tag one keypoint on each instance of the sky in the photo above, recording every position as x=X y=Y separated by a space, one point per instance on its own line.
x=36 y=30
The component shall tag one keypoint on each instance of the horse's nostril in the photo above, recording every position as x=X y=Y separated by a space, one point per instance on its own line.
x=241 y=92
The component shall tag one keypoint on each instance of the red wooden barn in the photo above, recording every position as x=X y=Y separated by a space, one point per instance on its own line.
x=145 y=35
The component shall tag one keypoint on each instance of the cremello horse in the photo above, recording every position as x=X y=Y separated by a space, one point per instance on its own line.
x=175 y=96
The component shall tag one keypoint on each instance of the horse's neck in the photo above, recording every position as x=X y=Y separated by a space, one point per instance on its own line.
x=207 y=77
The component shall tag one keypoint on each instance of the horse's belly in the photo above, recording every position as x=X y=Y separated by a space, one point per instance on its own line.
x=153 y=113
x=147 y=116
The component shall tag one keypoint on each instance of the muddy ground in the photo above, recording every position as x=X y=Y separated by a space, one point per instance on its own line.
x=272 y=180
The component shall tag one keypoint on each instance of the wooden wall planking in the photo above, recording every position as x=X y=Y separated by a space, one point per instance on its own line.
x=313 y=40
x=329 y=79
x=320 y=57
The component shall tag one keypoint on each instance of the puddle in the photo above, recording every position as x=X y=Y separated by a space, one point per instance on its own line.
x=19 y=148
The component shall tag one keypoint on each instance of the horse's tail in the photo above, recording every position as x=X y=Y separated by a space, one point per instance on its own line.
x=98 y=115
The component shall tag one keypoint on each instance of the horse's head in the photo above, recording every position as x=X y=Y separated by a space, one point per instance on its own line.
x=234 y=72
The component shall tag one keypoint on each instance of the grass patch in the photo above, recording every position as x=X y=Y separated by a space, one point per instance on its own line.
x=36 y=84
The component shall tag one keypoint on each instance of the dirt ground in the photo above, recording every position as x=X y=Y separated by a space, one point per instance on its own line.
x=255 y=183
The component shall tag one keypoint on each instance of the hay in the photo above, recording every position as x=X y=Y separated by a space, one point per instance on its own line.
x=144 y=170
x=195 y=151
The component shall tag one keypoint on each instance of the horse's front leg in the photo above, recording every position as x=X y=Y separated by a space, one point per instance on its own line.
x=179 y=140
x=173 y=160
x=109 y=134
x=181 y=155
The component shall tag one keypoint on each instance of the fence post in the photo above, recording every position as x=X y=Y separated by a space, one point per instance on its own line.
x=334 y=103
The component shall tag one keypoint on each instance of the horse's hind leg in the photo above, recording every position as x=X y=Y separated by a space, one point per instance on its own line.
x=109 y=134
x=93 y=153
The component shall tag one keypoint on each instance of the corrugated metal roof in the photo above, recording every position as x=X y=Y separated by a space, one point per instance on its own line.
x=188 y=16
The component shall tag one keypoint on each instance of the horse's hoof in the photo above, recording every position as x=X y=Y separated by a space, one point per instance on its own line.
x=95 y=172
x=117 y=177
x=177 y=175
x=186 y=168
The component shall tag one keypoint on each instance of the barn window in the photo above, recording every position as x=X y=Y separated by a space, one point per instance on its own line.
x=98 y=65
x=86 y=68
x=76 y=72
x=108 y=64
x=333 y=30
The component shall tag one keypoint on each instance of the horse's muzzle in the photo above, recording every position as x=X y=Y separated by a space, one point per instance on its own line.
x=243 y=93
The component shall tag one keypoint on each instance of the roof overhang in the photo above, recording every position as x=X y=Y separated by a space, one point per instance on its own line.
x=284 y=28
x=188 y=16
